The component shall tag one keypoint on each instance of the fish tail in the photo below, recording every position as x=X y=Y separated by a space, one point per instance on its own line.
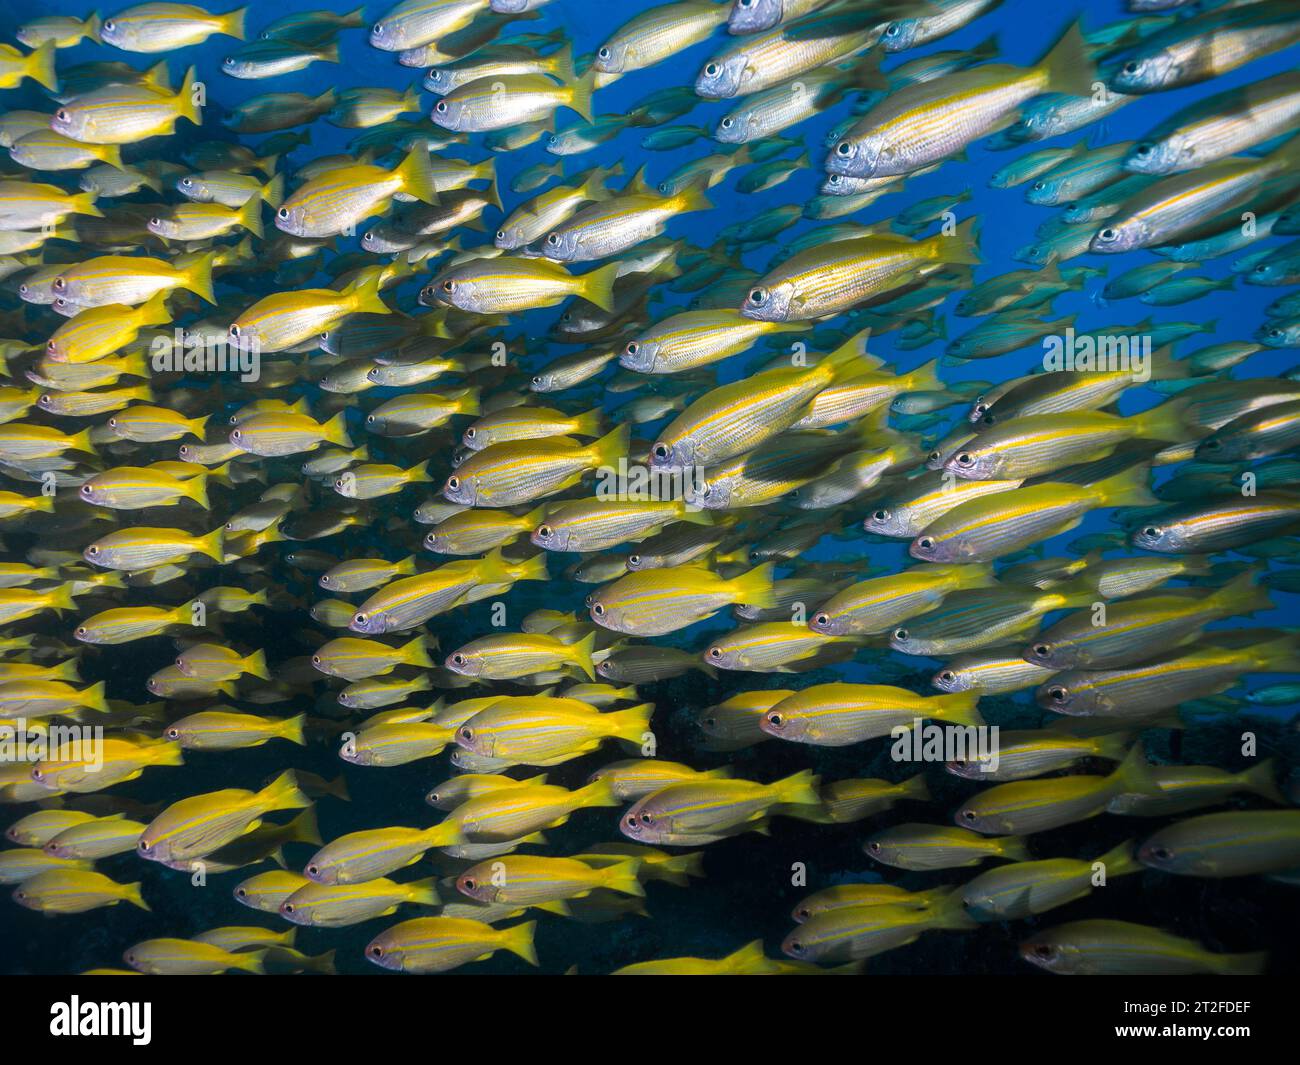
x=335 y=431
x=93 y=697
x=1134 y=775
x=233 y=23
x=581 y=652
x=488 y=170
x=1260 y=781
x=66 y=671
x=283 y=793
x=974 y=575
x=250 y=216
x=81 y=442
x=800 y=789
x=695 y=196
x=85 y=204
x=305 y=828
x=597 y=286
x=406 y=566
x=1252 y=964
x=581 y=92
x=1164 y=422
x=1242 y=595
x=212 y=545
x=91 y=26
x=634 y=722
x=589 y=424
x=755 y=588
x=519 y=940
x=949 y=912
x=1067 y=66
x=959 y=707
x=623 y=878
x=562 y=60
x=681 y=867
x=925 y=378
x=131 y=894
x=197 y=277
x=188 y=97
x=961 y=247
x=695 y=516
x=61 y=599
x=425 y=892
x=418 y=474
x=597 y=793
x=252 y=961
x=916 y=788
x=354 y=18
x=292 y=729
x=40 y=66
x=154 y=310
x=416 y=173
x=111 y=154
x=1128 y=488
x=1120 y=860
x=1014 y=847
x=196 y=488
x=363 y=294
x=330 y=53
x=612 y=446
x=416 y=653
x=255 y=665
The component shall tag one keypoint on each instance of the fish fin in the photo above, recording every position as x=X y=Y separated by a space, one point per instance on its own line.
x=519 y=940
x=597 y=286
x=634 y=722
x=425 y=892
x=612 y=446
x=1134 y=775
x=1120 y=860
x=94 y=698
x=85 y=204
x=1242 y=595
x=253 y=961
x=1260 y=781
x=582 y=91
x=233 y=23
x=623 y=878
x=695 y=196
x=364 y=295
x=959 y=707
x=40 y=66
x=154 y=310
x=292 y=729
x=197 y=277
x=961 y=247
x=800 y=789
x=1014 y=848
x=305 y=828
x=196 y=488
x=755 y=587
x=416 y=653
x=1128 y=488
x=273 y=191
x=925 y=378
x=581 y=652
x=255 y=664
x=283 y=793
x=416 y=173
x=250 y=216
x=335 y=431
x=131 y=894
x=212 y=545
x=188 y=97
x=1068 y=65
x=915 y=788
x=599 y=792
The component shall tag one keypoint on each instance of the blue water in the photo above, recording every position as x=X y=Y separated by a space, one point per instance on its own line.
x=748 y=891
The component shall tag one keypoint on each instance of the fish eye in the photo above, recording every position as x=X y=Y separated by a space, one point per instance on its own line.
x=448 y=286
x=315 y=660
x=632 y=348
x=1039 y=186
x=727 y=123
x=60 y=283
x=283 y=212
x=1131 y=67
x=1043 y=950
x=715 y=652
x=229 y=61
x=441 y=107
x=1058 y=694
x=459 y=659
x=1143 y=150
x=376 y=952
x=155 y=221
x=635 y=560
x=313 y=869
x=238 y=434
x=661 y=451
x=604 y=53
x=288 y=907
x=544 y=531
x=241 y=893
x=1151 y=532
x=880 y=515
x=234 y=330
x=948 y=675
x=61 y=115
x=873 y=847
x=469 y=883
x=776 y=720
x=965 y=459
x=537 y=380
x=844 y=148
x=712 y=70
x=501 y=234
x=359 y=619
x=1162 y=854
x=900 y=634
x=453 y=483
x=1108 y=233
x=647 y=819
x=968 y=815
x=81 y=630
x=925 y=543
x=822 y=619
x=145 y=846
x=758 y=296
x=598 y=609
x=110 y=25
x=552 y=239
x=377 y=29
x=92 y=550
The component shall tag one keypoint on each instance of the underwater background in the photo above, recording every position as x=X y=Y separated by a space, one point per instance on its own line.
x=746 y=891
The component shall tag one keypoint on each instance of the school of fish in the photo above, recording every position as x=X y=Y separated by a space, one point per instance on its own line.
x=230 y=359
